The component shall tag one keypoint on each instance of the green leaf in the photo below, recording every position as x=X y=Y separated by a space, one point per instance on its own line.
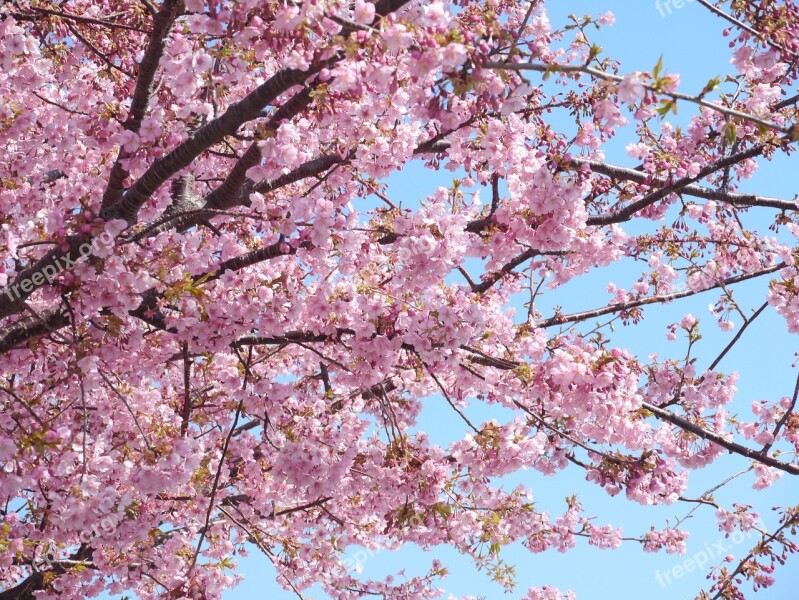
x=710 y=86
x=442 y=509
x=666 y=106
x=730 y=133
x=658 y=68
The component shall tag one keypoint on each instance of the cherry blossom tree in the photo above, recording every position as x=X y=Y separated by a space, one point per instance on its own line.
x=218 y=329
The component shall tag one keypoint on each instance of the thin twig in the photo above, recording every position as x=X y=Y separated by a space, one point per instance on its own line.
x=698 y=431
x=130 y=410
x=94 y=50
x=613 y=308
x=447 y=398
x=24 y=404
x=784 y=419
x=79 y=19
x=186 y=412
x=742 y=25
x=738 y=335
x=214 y=488
x=789 y=522
x=57 y=105
x=602 y=75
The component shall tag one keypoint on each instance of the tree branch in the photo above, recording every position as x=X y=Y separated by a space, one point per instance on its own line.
x=162 y=22
x=613 y=308
x=690 y=189
x=603 y=76
x=698 y=431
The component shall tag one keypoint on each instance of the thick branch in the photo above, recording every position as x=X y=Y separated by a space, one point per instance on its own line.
x=141 y=95
x=229 y=194
x=237 y=114
x=214 y=132
x=276 y=250
x=31 y=279
x=19 y=332
x=36 y=581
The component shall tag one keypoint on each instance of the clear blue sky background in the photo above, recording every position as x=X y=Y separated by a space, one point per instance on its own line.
x=691 y=44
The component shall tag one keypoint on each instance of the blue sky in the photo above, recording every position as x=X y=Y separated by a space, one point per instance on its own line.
x=691 y=44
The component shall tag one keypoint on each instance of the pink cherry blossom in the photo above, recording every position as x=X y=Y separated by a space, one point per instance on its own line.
x=318 y=279
x=631 y=89
x=364 y=12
